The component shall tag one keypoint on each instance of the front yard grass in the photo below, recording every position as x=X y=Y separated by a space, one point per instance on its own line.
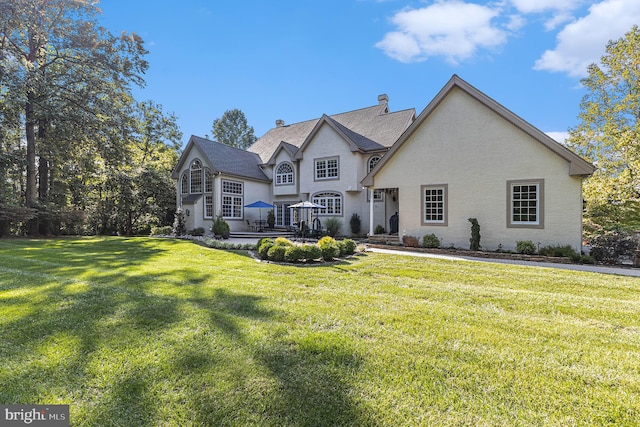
x=142 y=332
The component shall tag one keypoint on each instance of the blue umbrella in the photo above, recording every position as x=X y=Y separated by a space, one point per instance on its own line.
x=259 y=204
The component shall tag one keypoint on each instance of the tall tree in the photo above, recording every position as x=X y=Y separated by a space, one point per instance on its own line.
x=609 y=135
x=232 y=129
x=61 y=61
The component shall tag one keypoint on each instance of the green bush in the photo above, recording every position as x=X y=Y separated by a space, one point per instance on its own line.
x=262 y=240
x=196 y=232
x=264 y=246
x=162 y=231
x=333 y=226
x=559 y=251
x=329 y=248
x=526 y=247
x=430 y=241
x=220 y=227
x=283 y=241
x=347 y=247
x=378 y=230
x=355 y=224
x=474 y=241
x=276 y=252
x=179 y=226
x=294 y=253
x=311 y=252
x=611 y=246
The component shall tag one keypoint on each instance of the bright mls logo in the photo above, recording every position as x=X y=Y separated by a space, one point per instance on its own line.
x=36 y=415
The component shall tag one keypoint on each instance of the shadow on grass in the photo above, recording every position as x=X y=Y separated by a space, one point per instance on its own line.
x=122 y=354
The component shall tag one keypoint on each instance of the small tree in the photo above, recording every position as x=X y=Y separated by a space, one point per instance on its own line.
x=355 y=224
x=475 y=235
x=179 y=226
x=220 y=227
x=271 y=219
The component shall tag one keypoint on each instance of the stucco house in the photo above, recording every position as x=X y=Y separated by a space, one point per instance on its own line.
x=465 y=156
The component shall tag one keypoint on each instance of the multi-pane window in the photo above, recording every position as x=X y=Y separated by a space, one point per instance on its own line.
x=525 y=203
x=372 y=163
x=208 y=206
x=184 y=184
x=434 y=204
x=196 y=176
x=284 y=174
x=208 y=181
x=232 y=198
x=326 y=168
x=332 y=203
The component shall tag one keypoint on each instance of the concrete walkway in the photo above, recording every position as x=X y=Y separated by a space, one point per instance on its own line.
x=632 y=272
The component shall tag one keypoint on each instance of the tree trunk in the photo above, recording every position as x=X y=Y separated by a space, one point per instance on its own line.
x=31 y=190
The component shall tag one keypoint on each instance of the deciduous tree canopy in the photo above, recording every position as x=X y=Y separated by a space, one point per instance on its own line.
x=609 y=135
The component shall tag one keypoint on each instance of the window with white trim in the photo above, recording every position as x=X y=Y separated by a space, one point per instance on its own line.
x=284 y=174
x=196 y=176
x=326 y=168
x=434 y=204
x=373 y=161
x=331 y=201
x=232 y=199
x=525 y=203
x=208 y=206
x=184 y=184
x=208 y=181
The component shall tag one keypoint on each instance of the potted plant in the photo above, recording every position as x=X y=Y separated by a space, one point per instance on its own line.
x=271 y=219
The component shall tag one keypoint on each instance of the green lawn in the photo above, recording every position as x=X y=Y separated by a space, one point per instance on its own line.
x=137 y=332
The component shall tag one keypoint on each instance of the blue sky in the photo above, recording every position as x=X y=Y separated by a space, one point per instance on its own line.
x=296 y=60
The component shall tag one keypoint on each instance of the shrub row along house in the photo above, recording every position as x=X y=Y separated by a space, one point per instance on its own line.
x=465 y=156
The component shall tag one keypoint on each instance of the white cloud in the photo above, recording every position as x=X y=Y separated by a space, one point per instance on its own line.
x=583 y=42
x=561 y=137
x=537 y=6
x=452 y=29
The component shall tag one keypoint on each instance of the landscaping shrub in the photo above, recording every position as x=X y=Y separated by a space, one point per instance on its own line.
x=262 y=240
x=294 y=253
x=430 y=241
x=179 y=226
x=474 y=241
x=379 y=229
x=355 y=224
x=311 y=252
x=329 y=248
x=162 y=231
x=276 y=252
x=333 y=226
x=196 y=232
x=410 y=241
x=526 y=247
x=347 y=247
x=220 y=227
x=264 y=246
x=610 y=247
x=559 y=251
x=283 y=241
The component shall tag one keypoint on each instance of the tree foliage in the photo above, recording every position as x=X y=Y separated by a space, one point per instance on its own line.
x=609 y=136
x=75 y=147
x=232 y=129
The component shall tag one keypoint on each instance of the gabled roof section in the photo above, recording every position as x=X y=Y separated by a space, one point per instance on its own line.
x=356 y=141
x=370 y=128
x=225 y=159
x=577 y=165
x=289 y=148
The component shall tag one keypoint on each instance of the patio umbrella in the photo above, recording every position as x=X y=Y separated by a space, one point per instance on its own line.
x=259 y=204
x=306 y=205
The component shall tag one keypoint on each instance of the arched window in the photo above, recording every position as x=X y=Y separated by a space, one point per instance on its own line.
x=373 y=161
x=284 y=174
x=208 y=181
x=331 y=201
x=184 y=184
x=196 y=176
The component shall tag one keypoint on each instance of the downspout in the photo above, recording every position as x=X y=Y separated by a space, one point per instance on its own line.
x=370 y=190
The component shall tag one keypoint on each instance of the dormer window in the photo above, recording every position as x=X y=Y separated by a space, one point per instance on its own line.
x=373 y=161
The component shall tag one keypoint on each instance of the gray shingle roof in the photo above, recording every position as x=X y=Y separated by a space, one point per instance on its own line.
x=371 y=128
x=230 y=160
